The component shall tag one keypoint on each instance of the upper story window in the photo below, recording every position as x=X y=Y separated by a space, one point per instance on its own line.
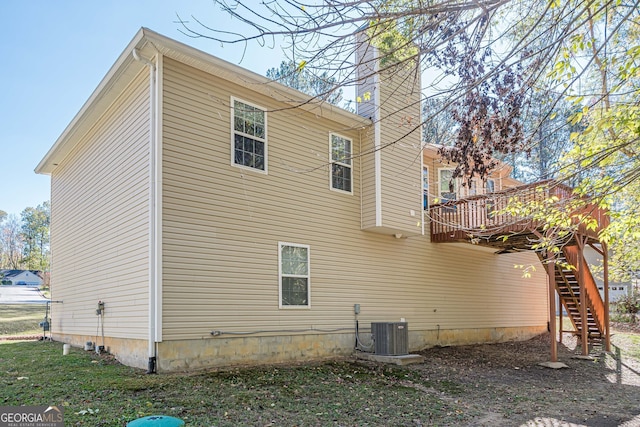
x=249 y=135
x=341 y=170
x=294 y=275
x=425 y=187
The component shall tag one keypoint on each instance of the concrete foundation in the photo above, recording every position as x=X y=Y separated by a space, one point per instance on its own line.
x=448 y=337
x=224 y=351
x=251 y=350
x=130 y=352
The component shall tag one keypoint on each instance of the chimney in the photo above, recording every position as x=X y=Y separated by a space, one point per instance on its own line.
x=389 y=95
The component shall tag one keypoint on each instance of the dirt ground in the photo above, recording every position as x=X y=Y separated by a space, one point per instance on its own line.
x=503 y=385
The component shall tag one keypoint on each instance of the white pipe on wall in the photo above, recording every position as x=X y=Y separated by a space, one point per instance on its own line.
x=153 y=208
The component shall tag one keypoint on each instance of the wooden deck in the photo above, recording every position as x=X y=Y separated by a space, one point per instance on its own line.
x=483 y=219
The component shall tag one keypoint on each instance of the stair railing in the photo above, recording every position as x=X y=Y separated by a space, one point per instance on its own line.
x=593 y=298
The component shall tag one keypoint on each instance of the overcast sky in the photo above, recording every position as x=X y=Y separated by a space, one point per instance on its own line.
x=54 y=54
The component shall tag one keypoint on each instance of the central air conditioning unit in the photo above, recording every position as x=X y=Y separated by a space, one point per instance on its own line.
x=390 y=338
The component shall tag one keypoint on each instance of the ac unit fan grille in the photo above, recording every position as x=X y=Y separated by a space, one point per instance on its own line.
x=390 y=338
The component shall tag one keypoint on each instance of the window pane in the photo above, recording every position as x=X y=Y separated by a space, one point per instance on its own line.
x=258 y=148
x=248 y=127
x=259 y=130
x=294 y=291
x=340 y=149
x=238 y=124
x=248 y=119
x=425 y=179
x=447 y=183
x=294 y=260
x=248 y=145
x=347 y=152
x=238 y=157
x=249 y=152
x=259 y=162
x=341 y=177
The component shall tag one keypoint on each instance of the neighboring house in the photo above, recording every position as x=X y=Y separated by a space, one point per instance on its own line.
x=225 y=219
x=616 y=289
x=21 y=277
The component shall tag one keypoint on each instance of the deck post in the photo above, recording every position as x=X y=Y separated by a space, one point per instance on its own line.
x=551 y=273
x=584 y=331
x=560 y=318
x=605 y=262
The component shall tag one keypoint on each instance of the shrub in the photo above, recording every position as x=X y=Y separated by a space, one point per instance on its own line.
x=629 y=305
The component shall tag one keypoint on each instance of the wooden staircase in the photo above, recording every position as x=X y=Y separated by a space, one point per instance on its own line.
x=484 y=220
x=567 y=284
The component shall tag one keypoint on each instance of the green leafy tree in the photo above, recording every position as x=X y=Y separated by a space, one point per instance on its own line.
x=492 y=59
x=321 y=85
x=439 y=127
x=35 y=233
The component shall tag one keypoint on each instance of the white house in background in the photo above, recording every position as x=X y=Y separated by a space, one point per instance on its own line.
x=616 y=289
x=21 y=277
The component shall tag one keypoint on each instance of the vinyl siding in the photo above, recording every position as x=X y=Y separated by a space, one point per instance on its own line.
x=401 y=166
x=99 y=232
x=367 y=93
x=391 y=203
x=368 y=180
x=222 y=225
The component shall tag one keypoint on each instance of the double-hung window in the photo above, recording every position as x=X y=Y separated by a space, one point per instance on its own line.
x=294 y=275
x=341 y=170
x=249 y=136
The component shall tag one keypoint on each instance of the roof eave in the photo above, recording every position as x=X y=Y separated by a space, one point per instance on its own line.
x=105 y=94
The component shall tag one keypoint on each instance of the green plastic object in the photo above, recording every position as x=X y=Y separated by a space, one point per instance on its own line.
x=156 y=421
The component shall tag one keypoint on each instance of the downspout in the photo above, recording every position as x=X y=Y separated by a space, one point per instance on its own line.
x=152 y=211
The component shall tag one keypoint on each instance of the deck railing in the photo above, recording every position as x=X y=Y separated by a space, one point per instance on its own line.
x=486 y=215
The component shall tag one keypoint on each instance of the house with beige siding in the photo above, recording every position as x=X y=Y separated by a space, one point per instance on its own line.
x=226 y=219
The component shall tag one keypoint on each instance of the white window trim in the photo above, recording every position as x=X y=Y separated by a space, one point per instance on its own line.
x=308 y=276
x=233 y=130
x=331 y=162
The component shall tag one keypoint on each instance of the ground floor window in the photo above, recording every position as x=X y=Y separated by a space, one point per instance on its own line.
x=294 y=275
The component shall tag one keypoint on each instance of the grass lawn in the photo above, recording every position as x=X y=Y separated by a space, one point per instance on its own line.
x=21 y=319
x=97 y=391
x=629 y=343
